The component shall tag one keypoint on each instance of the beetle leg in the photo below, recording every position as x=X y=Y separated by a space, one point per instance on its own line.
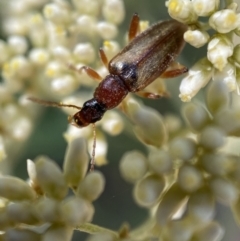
x=103 y=57
x=150 y=95
x=134 y=27
x=89 y=71
x=174 y=70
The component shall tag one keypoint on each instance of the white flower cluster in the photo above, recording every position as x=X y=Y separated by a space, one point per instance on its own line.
x=221 y=62
x=45 y=200
x=42 y=39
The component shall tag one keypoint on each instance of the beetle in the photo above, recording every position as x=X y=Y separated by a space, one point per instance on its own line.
x=148 y=56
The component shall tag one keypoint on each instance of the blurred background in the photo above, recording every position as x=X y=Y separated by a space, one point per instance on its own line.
x=116 y=205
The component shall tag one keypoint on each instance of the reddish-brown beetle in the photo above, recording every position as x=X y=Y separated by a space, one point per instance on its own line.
x=148 y=56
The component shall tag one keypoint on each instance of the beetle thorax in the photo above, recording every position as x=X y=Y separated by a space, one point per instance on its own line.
x=111 y=91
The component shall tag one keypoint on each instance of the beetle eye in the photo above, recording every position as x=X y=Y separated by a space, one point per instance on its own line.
x=73 y=120
x=76 y=122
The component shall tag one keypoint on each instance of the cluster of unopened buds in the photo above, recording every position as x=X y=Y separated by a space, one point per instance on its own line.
x=222 y=61
x=35 y=58
x=187 y=169
x=42 y=203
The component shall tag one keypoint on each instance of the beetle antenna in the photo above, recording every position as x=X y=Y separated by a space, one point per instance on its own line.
x=92 y=162
x=52 y=103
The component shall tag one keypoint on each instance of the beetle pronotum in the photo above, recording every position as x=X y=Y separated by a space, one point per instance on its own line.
x=149 y=55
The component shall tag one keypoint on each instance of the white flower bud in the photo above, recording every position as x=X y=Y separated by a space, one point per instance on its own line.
x=196 y=116
x=47 y=210
x=201 y=205
x=211 y=231
x=61 y=53
x=148 y=190
x=205 y=7
x=182 y=10
x=217 y=97
x=112 y=123
x=219 y=50
x=91 y=7
x=212 y=137
x=39 y=56
x=133 y=166
x=21 y=128
x=179 y=229
x=11 y=111
x=15 y=26
x=173 y=123
x=111 y=48
x=38 y=37
x=86 y=24
x=160 y=161
x=63 y=85
x=73 y=132
x=197 y=77
x=84 y=79
x=84 y=52
x=102 y=71
x=92 y=186
x=17 y=44
x=106 y=30
x=197 y=38
x=31 y=169
x=50 y=178
x=110 y=8
x=190 y=179
x=76 y=162
x=37 y=30
x=58 y=232
x=56 y=13
x=57 y=35
x=171 y=202
x=19 y=7
x=53 y=69
x=18 y=67
x=217 y=164
x=229 y=121
x=224 y=190
x=148 y=124
x=36 y=20
x=228 y=76
x=182 y=148
x=22 y=212
x=76 y=211
x=224 y=21
x=13 y=188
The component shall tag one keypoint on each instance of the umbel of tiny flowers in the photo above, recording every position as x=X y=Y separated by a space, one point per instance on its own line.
x=42 y=39
x=41 y=209
x=220 y=62
x=187 y=172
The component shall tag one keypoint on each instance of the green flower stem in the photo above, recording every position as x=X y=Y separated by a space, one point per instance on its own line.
x=93 y=229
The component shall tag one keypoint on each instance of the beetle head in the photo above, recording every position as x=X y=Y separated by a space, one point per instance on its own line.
x=91 y=112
